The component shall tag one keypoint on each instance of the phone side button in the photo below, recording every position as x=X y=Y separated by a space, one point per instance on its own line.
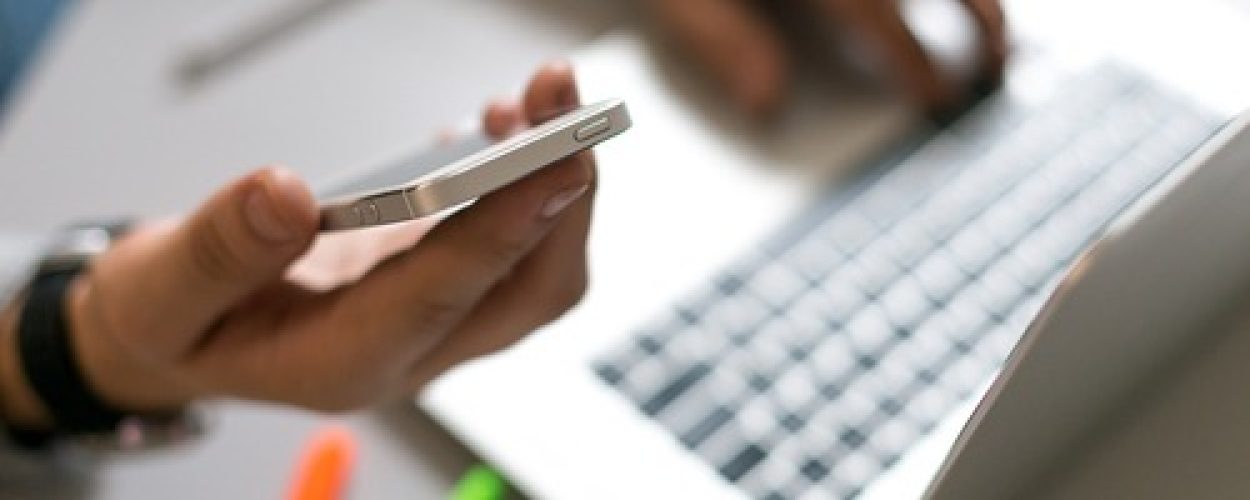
x=366 y=212
x=592 y=129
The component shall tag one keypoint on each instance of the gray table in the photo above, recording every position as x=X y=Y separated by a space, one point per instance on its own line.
x=105 y=126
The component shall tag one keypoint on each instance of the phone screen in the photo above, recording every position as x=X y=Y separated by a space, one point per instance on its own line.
x=403 y=171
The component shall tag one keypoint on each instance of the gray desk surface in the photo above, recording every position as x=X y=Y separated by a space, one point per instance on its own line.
x=106 y=125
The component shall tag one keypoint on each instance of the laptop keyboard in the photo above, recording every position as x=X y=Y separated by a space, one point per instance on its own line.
x=817 y=361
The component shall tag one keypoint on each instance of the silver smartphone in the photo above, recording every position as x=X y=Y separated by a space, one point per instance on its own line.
x=415 y=189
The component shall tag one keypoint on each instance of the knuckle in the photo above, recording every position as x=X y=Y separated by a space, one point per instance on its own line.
x=562 y=294
x=500 y=253
x=339 y=394
x=211 y=253
x=438 y=312
x=571 y=291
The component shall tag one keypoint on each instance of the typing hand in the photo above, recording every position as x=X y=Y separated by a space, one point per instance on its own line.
x=745 y=53
x=243 y=298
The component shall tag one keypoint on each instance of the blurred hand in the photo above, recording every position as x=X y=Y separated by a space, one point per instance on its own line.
x=745 y=53
x=237 y=300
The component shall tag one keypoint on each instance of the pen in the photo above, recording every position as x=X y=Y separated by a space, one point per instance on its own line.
x=325 y=465
x=480 y=482
x=211 y=54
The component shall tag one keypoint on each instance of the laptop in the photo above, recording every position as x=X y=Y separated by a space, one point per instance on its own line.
x=1176 y=262
x=796 y=315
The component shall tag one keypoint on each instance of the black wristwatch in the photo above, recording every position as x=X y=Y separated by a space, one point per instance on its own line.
x=51 y=369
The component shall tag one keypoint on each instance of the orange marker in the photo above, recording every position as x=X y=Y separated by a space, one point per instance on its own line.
x=325 y=465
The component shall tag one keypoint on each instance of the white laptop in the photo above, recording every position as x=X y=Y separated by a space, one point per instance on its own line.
x=1170 y=272
x=751 y=332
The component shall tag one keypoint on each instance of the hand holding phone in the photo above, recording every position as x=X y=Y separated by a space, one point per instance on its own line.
x=243 y=298
x=378 y=200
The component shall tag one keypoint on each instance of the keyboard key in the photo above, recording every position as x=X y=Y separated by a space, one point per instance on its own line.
x=892 y=376
x=869 y=273
x=907 y=245
x=743 y=462
x=814 y=470
x=821 y=434
x=645 y=378
x=966 y=320
x=609 y=373
x=649 y=344
x=723 y=443
x=756 y=420
x=839 y=300
x=813 y=259
x=685 y=412
x=930 y=404
x=850 y=231
x=940 y=277
x=856 y=469
x=928 y=345
x=997 y=344
x=996 y=292
x=696 y=344
x=855 y=405
x=972 y=250
x=674 y=389
x=726 y=386
x=949 y=211
x=729 y=283
x=780 y=470
x=965 y=374
x=832 y=360
x=852 y=438
x=706 y=426
x=870 y=331
x=806 y=331
x=777 y=285
x=886 y=248
x=894 y=436
x=768 y=355
x=796 y=390
x=791 y=422
x=825 y=492
x=1023 y=316
x=905 y=303
x=738 y=316
x=1027 y=267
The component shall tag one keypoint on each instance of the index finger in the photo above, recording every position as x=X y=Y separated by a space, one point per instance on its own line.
x=881 y=24
x=743 y=53
x=992 y=23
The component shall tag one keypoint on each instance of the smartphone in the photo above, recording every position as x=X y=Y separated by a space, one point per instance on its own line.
x=416 y=189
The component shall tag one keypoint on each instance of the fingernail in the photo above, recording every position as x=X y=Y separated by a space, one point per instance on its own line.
x=562 y=200
x=261 y=212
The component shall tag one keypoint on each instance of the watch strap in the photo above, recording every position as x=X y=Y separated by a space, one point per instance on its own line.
x=50 y=364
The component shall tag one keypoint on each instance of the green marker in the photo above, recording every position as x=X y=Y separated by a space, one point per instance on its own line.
x=480 y=482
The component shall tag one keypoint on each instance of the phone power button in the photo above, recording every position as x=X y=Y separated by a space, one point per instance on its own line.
x=366 y=212
x=592 y=129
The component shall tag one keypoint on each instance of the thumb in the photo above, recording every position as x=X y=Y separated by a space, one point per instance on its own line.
x=240 y=240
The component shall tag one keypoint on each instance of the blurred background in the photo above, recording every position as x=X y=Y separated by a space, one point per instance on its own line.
x=185 y=95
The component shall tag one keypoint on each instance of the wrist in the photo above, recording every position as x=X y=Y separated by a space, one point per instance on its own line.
x=118 y=377
x=19 y=405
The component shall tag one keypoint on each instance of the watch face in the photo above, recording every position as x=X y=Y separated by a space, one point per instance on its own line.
x=75 y=248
